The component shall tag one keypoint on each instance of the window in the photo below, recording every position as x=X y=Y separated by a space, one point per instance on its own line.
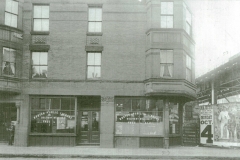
x=41 y=18
x=174 y=123
x=138 y=116
x=188 y=20
x=188 y=68
x=11 y=13
x=9 y=62
x=39 y=64
x=166 y=14
x=166 y=63
x=95 y=20
x=94 y=65
x=53 y=115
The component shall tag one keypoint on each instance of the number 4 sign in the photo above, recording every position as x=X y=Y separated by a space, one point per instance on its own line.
x=207 y=132
x=206 y=125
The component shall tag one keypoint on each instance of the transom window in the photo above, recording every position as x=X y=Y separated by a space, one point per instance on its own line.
x=41 y=18
x=39 y=64
x=11 y=13
x=166 y=14
x=95 y=19
x=166 y=63
x=94 y=65
x=9 y=62
x=188 y=68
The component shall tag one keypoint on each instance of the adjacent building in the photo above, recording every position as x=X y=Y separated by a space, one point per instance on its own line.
x=95 y=72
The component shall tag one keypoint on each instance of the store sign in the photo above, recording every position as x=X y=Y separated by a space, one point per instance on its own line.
x=206 y=124
x=227 y=124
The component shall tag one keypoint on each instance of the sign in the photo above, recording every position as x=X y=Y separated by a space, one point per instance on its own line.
x=191 y=124
x=226 y=124
x=206 y=124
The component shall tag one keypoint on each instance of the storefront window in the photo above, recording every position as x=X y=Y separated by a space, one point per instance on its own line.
x=138 y=116
x=53 y=115
x=174 y=119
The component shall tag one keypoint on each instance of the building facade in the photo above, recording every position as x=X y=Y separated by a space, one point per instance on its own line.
x=95 y=72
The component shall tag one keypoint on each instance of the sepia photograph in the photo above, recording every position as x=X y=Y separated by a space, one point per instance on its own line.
x=119 y=79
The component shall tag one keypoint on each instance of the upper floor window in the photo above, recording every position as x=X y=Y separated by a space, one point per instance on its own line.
x=94 y=65
x=41 y=18
x=188 y=68
x=11 y=13
x=166 y=63
x=9 y=61
x=166 y=14
x=95 y=19
x=188 y=21
x=39 y=64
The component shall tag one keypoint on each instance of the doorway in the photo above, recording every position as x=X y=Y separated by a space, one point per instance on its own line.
x=89 y=131
x=88 y=123
x=8 y=114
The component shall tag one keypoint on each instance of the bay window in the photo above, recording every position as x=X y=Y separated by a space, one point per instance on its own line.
x=9 y=62
x=188 y=68
x=166 y=63
x=166 y=14
x=11 y=13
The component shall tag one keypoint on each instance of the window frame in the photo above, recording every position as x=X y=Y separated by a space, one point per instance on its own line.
x=90 y=65
x=188 y=19
x=167 y=15
x=34 y=110
x=99 y=21
x=188 y=68
x=38 y=65
x=15 y=57
x=11 y=13
x=168 y=64
x=33 y=17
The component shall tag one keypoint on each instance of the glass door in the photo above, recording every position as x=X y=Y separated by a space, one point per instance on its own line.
x=88 y=128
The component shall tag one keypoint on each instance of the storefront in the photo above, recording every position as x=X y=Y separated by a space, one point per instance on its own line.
x=142 y=122
x=62 y=120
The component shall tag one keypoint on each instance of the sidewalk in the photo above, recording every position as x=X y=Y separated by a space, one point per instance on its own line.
x=179 y=152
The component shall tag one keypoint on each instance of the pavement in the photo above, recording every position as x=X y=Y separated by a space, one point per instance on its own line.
x=178 y=152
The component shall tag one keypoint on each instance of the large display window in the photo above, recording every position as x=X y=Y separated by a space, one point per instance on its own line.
x=138 y=117
x=53 y=115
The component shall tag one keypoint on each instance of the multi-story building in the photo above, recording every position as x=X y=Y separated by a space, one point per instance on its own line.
x=95 y=72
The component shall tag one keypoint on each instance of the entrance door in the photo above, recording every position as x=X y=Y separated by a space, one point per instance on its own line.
x=8 y=113
x=88 y=128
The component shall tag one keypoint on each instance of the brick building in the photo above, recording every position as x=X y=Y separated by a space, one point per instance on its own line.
x=95 y=72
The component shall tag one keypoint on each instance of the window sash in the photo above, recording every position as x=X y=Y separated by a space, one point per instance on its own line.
x=41 y=18
x=188 y=62
x=95 y=20
x=166 y=7
x=39 y=64
x=188 y=74
x=166 y=21
x=11 y=7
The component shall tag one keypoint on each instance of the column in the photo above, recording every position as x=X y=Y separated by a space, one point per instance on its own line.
x=166 y=124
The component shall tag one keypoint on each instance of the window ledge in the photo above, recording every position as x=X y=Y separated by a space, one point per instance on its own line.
x=54 y=134
x=94 y=33
x=39 y=32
